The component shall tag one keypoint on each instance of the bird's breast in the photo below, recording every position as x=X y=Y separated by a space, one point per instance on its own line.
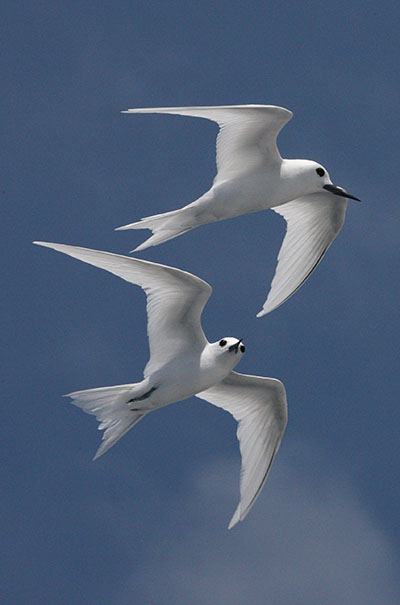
x=185 y=377
x=244 y=195
x=181 y=379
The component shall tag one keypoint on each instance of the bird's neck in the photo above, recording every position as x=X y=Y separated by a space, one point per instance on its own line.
x=292 y=181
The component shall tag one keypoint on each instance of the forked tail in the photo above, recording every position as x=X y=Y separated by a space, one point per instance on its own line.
x=109 y=405
x=164 y=227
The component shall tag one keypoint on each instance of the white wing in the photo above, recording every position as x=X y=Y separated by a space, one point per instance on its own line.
x=313 y=222
x=175 y=300
x=259 y=406
x=247 y=137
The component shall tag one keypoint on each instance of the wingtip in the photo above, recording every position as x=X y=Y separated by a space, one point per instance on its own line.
x=45 y=244
x=235 y=519
x=55 y=246
x=267 y=308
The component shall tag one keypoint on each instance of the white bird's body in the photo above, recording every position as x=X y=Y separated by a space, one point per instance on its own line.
x=183 y=363
x=193 y=370
x=252 y=176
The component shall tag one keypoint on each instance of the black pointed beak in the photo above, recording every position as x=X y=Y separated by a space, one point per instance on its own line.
x=235 y=347
x=340 y=191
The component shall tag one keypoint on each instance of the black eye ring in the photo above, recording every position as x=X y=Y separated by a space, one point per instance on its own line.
x=242 y=348
x=222 y=342
x=320 y=171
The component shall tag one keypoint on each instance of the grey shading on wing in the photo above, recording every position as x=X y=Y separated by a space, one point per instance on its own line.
x=247 y=136
x=175 y=300
x=259 y=406
x=313 y=222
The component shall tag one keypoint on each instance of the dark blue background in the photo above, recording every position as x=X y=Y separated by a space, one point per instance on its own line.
x=147 y=522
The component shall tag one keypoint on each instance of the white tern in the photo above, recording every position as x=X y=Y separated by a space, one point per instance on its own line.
x=183 y=363
x=252 y=176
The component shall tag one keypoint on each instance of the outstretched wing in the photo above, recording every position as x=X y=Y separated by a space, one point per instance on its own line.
x=313 y=222
x=175 y=300
x=259 y=406
x=247 y=137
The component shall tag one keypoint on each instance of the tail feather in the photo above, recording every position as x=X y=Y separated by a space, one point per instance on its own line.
x=152 y=222
x=164 y=227
x=109 y=406
x=158 y=238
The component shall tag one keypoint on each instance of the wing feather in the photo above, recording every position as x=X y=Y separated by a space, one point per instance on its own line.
x=175 y=300
x=313 y=222
x=247 y=136
x=259 y=406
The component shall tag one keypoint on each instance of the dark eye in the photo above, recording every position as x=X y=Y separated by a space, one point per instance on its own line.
x=320 y=171
x=222 y=343
x=242 y=348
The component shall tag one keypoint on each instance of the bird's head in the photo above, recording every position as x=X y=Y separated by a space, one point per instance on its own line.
x=228 y=351
x=316 y=178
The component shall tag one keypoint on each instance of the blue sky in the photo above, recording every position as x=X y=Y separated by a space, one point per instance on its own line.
x=147 y=522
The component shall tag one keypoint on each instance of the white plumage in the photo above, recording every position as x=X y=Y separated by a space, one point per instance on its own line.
x=252 y=176
x=183 y=363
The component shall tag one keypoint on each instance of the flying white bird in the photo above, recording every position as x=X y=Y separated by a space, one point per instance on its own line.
x=252 y=176
x=183 y=363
